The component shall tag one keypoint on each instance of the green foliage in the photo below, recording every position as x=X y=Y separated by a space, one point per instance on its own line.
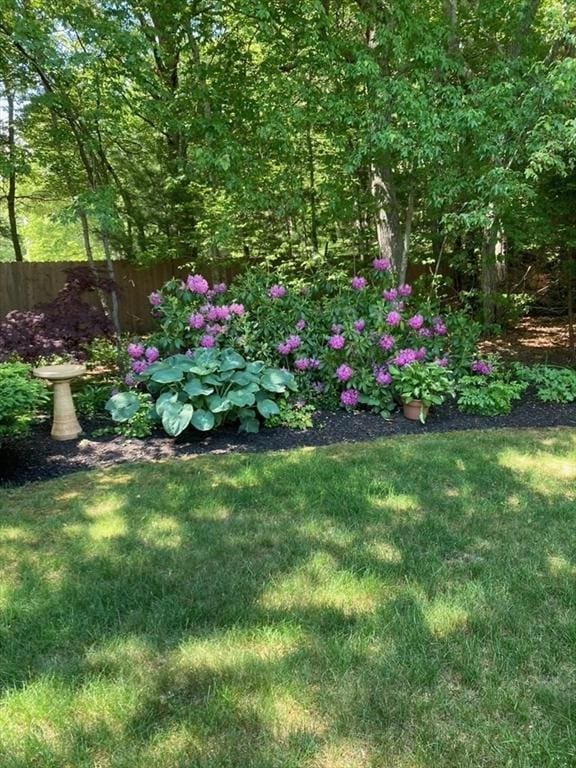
x=428 y=382
x=487 y=395
x=90 y=399
x=20 y=397
x=205 y=389
x=552 y=385
x=293 y=415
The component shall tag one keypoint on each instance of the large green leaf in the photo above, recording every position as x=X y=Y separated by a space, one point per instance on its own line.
x=196 y=388
x=219 y=404
x=123 y=406
x=276 y=380
x=250 y=424
x=164 y=400
x=176 y=417
x=244 y=378
x=203 y=420
x=231 y=360
x=241 y=397
x=168 y=375
x=267 y=408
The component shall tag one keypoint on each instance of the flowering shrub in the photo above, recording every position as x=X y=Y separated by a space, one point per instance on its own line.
x=344 y=339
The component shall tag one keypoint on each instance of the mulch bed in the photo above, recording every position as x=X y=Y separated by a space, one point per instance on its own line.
x=38 y=457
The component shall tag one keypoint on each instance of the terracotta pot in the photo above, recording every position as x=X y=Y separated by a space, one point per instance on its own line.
x=414 y=408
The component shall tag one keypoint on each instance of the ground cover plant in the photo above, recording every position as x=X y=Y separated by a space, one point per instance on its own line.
x=399 y=605
x=21 y=397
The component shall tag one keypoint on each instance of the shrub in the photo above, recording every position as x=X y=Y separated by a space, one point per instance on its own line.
x=63 y=326
x=205 y=389
x=552 y=385
x=20 y=397
x=488 y=390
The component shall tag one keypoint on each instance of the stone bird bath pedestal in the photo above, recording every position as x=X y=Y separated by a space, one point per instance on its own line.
x=65 y=425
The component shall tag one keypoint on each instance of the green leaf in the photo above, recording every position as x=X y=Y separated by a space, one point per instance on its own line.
x=167 y=375
x=231 y=360
x=249 y=425
x=123 y=406
x=196 y=388
x=267 y=408
x=203 y=420
x=219 y=404
x=176 y=417
x=164 y=399
x=275 y=380
x=241 y=398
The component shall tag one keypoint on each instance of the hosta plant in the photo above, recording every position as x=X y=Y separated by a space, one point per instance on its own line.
x=427 y=383
x=206 y=388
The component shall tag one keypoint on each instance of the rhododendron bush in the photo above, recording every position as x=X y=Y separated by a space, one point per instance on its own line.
x=342 y=337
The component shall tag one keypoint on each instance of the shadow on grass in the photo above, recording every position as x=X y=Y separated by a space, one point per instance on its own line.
x=406 y=604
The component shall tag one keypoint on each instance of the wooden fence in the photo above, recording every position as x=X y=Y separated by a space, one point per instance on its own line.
x=25 y=285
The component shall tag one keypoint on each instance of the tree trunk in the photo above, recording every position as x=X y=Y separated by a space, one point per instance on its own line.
x=312 y=192
x=492 y=270
x=570 y=269
x=115 y=310
x=390 y=242
x=11 y=197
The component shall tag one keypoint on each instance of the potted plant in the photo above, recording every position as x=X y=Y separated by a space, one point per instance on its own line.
x=420 y=385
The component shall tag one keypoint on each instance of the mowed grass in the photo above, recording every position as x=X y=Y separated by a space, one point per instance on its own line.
x=408 y=603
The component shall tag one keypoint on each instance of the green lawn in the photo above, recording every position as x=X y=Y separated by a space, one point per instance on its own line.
x=405 y=603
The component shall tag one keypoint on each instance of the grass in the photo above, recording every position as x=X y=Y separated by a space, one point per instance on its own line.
x=402 y=604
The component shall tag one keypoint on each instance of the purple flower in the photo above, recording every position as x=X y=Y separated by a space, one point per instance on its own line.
x=294 y=342
x=405 y=290
x=317 y=387
x=439 y=326
x=421 y=353
x=390 y=295
x=155 y=298
x=219 y=288
x=349 y=397
x=382 y=377
x=302 y=363
x=337 y=328
x=277 y=292
x=416 y=322
x=218 y=313
x=197 y=284
x=426 y=333
x=135 y=351
x=441 y=361
x=359 y=325
x=393 y=318
x=196 y=321
x=207 y=341
x=405 y=357
x=344 y=372
x=139 y=366
x=481 y=367
x=337 y=341
x=381 y=265
x=386 y=342
x=151 y=354
x=314 y=363
x=284 y=348
x=300 y=324
x=236 y=309
x=358 y=283
x=129 y=380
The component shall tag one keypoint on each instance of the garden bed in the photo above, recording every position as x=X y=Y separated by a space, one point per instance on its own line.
x=38 y=457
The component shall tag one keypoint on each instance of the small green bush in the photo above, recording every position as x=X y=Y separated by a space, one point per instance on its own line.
x=552 y=385
x=20 y=397
x=487 y=395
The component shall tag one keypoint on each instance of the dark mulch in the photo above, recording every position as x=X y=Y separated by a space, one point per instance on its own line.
x=38 y=457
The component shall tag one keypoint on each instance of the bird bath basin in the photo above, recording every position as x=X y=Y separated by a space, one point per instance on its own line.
x=65 y=425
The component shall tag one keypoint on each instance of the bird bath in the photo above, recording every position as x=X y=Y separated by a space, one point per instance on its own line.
x=65 y=425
